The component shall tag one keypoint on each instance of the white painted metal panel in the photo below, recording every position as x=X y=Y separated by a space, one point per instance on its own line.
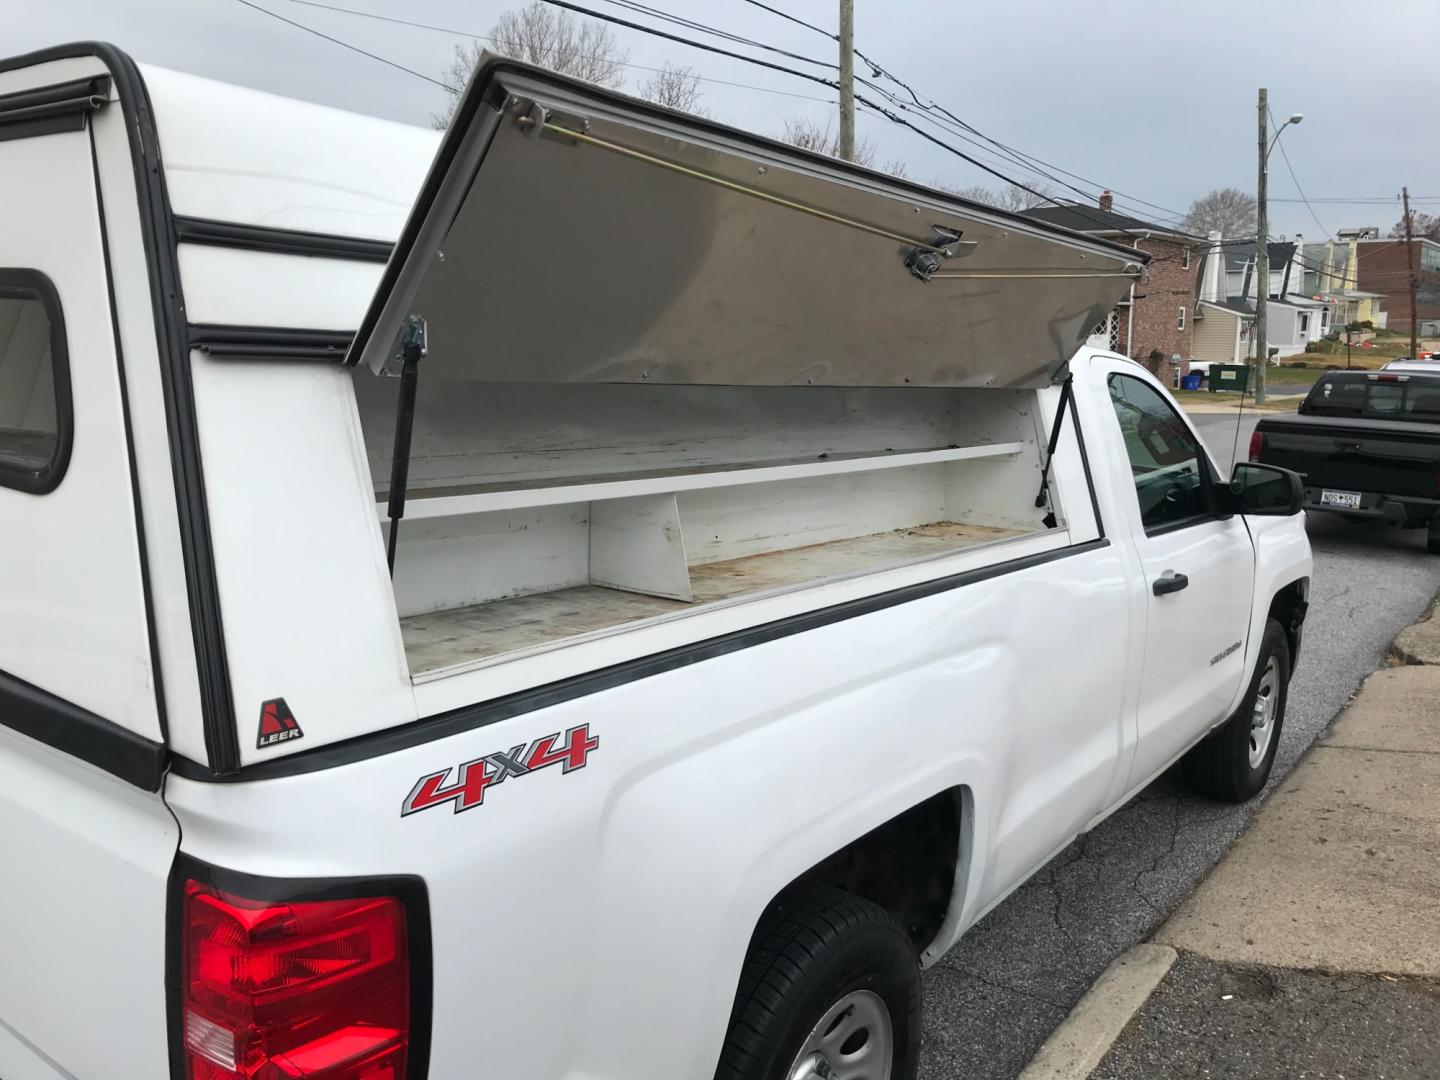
x=254 y=288
x=241 y=155
x=510 y=496
x=72 y=609
x=86 y=859
x=637 y=545
x=308 y=608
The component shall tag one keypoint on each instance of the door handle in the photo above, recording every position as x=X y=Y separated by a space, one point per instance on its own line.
x=1169 y=582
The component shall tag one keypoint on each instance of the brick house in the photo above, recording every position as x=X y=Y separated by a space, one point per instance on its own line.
x=1383 y=266
x=1158 y=315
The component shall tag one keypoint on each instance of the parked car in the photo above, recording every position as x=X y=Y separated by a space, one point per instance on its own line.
x=737 y=592
x=1367 y=445
x=1405 y=363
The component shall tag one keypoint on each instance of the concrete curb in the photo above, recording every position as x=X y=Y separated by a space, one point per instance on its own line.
x=1419 y=643
x=1078 y=1045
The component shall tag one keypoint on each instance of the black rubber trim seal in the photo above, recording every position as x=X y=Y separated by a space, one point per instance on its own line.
x=191 y=230
x=25 y=284
x=65 y=726
x=475 y=716
x=269 y=343
x=51 y=109
x=409 y=888
x=158 y=236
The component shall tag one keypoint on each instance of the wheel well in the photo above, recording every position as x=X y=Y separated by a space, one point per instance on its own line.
x=907 y=865
x=1288 y=609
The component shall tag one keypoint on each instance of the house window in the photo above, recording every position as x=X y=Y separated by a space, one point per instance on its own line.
x=1304 y=322
x=1184 y=258
x=1181 y=324
x=34 y=383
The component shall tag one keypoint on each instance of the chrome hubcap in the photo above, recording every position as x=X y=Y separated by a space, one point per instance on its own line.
x=854 y=1040
x=1262 y=718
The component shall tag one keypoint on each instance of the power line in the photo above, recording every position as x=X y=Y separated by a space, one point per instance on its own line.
x=347 y=45
x=640 y=8
x=1366 y=200
x=567 y=5
x=656 y=32
x=881 y=110
x=455 y=32
x=934 y=106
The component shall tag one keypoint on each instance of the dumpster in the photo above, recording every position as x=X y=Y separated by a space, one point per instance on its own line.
x=1190 y=382
x=1234 y=377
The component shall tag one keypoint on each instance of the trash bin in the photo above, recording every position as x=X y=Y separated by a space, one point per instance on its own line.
x=1232 y=377
x=1190 y=382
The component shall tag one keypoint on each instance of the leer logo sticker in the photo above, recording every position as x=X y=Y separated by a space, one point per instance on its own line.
x=277 y=724
x=473 y=777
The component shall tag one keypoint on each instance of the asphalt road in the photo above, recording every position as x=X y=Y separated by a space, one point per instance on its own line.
x=993 y=1000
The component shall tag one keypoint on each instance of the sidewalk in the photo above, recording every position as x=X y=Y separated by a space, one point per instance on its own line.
x=1313 y=949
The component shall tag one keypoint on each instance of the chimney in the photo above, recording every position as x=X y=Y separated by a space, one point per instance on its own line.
x=1212 y=285
x=1107 y=201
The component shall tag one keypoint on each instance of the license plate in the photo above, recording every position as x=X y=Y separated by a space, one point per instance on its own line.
x=1345 y=500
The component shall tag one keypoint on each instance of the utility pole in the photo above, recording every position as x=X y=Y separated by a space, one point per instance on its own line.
x=1262 y=256
x=1414 y=280
x=847 y=79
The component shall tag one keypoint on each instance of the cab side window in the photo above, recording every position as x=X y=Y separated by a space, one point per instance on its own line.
x=1171 y=477
x=34 y=383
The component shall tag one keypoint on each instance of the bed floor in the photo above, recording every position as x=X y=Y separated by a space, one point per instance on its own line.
x=442 y=639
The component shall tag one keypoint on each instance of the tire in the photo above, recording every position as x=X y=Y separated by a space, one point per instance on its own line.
x=824 y=956
x=1432 y=537
x=1233 y=762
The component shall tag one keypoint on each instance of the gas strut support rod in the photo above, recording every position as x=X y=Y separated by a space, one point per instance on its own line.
x=411 y=352
x=1044 y=494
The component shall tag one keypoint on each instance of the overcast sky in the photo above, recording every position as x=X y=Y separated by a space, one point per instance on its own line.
x=1155 y=98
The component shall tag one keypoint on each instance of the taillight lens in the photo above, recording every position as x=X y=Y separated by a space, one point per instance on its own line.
x=277 y=991
x=1257 y=444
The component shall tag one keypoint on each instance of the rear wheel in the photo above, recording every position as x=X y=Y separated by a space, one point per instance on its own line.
x=1234 y=761
x=1432 y=536
x=830 y=990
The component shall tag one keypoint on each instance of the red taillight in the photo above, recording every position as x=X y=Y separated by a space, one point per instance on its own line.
x=277 y=991
x=1257 y=444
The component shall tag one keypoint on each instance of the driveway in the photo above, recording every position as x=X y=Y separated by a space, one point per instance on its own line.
x=993 y=1000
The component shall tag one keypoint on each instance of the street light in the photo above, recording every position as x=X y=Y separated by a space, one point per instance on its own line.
x=1262 y=244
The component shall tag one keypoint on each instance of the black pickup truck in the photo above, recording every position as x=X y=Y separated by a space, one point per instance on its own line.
x=1367 y=446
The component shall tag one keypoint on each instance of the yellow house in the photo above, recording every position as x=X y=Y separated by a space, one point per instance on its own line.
x=1338 y=285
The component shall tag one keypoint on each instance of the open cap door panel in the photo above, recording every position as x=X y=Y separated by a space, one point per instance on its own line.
x=568 y=234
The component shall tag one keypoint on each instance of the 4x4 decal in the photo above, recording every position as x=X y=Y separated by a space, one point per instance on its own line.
x=473 y=777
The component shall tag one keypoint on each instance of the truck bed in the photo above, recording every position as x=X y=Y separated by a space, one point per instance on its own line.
x=464 y=635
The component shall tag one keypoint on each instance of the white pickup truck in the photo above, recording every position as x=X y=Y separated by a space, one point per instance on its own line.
x=743 y=587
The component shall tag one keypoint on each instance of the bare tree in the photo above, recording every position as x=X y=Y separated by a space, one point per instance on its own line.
x=1011 y=197
x=1229 y=210
x=539 y=34
x=675 y=86
x=1421 y=225
x=808 y=134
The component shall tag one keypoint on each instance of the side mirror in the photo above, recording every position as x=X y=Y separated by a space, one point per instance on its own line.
x=1265 y=490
